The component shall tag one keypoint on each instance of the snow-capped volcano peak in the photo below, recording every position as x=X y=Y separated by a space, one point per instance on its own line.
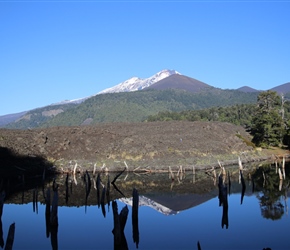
x=135 y=83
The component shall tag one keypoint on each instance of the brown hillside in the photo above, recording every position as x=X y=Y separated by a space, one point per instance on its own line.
x=139 y=144
x=179 y=82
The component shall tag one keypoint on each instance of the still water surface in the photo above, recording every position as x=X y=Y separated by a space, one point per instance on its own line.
x=173 y=214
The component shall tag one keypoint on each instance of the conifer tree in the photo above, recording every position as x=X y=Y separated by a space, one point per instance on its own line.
x=267 y=122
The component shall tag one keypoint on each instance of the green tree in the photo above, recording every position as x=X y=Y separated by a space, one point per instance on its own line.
x=267 y=123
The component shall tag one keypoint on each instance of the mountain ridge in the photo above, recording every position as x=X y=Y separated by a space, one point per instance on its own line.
x=163 y=80
x=136 y=83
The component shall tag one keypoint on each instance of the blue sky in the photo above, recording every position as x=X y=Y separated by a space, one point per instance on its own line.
x=60 y=50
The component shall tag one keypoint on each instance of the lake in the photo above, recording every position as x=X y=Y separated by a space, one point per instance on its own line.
x=174 y=212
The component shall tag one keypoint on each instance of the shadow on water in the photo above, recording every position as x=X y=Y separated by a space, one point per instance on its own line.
x=169 y=193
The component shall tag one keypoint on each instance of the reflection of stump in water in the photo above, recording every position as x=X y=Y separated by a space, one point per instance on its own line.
x=10 y=237
x=2 y=197
x=51 y=217
x=225 y=218
x=1 y=234
x=243 y=186
x=135 y=208
x=47 y=212
x=54 y=220
x=98 y=182
x=103 y=201
x=87 y=179
x=108 y=193
x=113 y=182
x=223 y=200
x=35 y=200
x=198 y=246
x=120 y=220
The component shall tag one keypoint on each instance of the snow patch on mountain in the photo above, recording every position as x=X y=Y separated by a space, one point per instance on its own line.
x=144 y=201
x=135 y=83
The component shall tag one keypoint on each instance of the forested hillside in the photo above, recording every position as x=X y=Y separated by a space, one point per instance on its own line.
x=137 y=106
x=239 y=114
x=37 y=117
x=130 y=107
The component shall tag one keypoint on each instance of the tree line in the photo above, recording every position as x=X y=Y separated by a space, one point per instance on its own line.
x=267 y=120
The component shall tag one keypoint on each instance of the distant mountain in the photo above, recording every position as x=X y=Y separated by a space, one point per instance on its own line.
x=135 y=83
x=178 y=81
x=6 y=119
x=247 y=89
x=137 y=106
x=132 y=84
x=134 y=100
x=283 y=88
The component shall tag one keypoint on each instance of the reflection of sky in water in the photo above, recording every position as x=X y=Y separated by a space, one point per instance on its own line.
x=90 y=230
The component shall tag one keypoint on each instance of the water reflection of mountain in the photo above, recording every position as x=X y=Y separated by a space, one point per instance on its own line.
x=169 y=204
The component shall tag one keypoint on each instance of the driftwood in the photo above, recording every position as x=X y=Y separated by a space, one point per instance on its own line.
x=10 y=237
x=135 y=222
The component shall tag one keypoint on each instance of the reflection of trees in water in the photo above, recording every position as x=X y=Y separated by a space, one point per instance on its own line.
x=271 y=192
